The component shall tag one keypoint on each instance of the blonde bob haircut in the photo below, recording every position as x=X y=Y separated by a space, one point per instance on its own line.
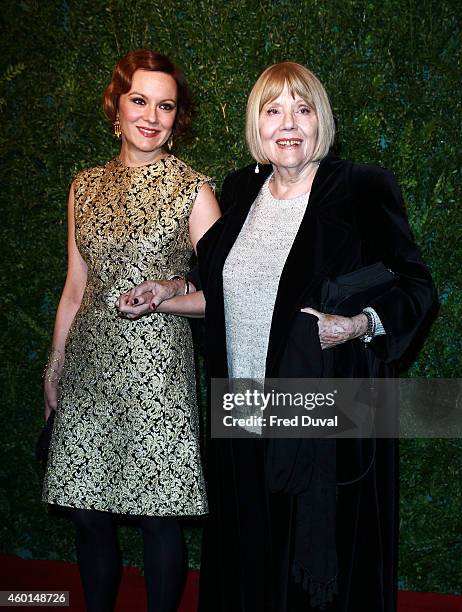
x=301 y=82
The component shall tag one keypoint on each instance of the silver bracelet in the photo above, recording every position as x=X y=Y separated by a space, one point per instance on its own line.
x=53 y=366
x=370 y=331
x=185 y=281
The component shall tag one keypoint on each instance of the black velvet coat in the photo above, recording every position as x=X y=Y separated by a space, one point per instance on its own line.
x=355 y=217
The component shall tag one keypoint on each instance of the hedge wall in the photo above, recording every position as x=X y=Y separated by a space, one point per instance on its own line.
x=393 y=71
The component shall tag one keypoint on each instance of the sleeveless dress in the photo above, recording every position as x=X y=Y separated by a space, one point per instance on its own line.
x=126 y=432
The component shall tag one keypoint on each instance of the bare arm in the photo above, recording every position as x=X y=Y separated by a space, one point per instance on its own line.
x=203 y=215
x=192 y=305
x=153 y=296
x=69 y=303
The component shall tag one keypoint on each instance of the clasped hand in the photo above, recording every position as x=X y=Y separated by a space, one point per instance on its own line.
x=146 y=297
x=335 y=329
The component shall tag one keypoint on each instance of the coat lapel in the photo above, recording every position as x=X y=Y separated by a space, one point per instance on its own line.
x=225 y=233
x=316 y=246
x=243 y=200
x=318 y=241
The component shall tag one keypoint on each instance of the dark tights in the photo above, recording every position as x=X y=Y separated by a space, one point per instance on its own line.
x=100 y=566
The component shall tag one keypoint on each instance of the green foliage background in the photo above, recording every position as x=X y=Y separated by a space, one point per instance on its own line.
x=393 y=71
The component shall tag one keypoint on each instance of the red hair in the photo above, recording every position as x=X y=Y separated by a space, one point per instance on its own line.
x=145 y=59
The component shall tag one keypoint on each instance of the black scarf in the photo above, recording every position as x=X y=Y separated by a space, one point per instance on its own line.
x=306 y=468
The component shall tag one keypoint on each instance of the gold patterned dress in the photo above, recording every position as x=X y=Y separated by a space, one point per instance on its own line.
x=125 y=436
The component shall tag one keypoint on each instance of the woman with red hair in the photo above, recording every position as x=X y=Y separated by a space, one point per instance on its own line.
x=125 y=436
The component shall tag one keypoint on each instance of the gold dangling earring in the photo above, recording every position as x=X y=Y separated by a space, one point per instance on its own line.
x=116 y=127
x=170 y=143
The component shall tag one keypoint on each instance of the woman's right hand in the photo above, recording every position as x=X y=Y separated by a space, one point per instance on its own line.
x=50 y=395
x=51 y=377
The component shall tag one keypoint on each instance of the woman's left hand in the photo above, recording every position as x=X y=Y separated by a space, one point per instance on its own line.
x=147 y=296
x=128 y=309
x=335 y=329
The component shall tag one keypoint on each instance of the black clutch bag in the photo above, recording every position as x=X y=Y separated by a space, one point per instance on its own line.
x=348 y=294
x=42 y=446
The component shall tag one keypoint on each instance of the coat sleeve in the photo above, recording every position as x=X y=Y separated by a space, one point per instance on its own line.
x=194 y=277
x=226 y=194
x=385 y=232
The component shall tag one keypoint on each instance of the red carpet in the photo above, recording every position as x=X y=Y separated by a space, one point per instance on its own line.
x=20 y=575
x=54 y=576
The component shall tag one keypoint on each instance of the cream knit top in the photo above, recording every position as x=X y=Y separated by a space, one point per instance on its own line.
x=251 y=277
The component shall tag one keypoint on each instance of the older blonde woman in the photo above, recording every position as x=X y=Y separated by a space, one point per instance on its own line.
x=297 y=217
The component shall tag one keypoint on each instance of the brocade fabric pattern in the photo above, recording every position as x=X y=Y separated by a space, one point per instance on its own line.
x=126 y=431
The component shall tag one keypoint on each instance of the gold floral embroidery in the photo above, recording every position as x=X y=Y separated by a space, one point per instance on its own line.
x=126 y=431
